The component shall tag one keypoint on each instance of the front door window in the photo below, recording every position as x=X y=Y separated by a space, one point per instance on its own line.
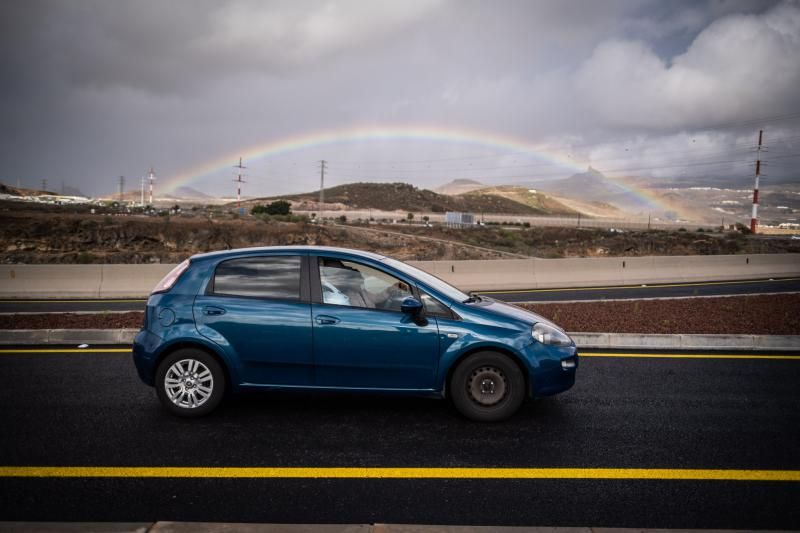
x=356 y=285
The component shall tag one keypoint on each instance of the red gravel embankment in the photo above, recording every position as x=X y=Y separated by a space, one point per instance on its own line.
x=765 y=315
x=133 y=319
x=775 y=314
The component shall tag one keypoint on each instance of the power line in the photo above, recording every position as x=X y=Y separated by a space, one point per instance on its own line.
x=593 y=162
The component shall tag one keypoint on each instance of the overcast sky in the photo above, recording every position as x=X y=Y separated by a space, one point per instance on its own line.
x=94 y=89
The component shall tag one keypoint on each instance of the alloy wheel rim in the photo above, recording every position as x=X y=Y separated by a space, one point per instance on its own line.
x=189 y=383
x=487 y=386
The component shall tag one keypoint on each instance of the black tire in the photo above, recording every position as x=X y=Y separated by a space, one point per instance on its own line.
x=188 y=389
x=477 y=379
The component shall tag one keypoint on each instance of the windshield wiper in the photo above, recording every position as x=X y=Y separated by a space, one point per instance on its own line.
x=473 y=298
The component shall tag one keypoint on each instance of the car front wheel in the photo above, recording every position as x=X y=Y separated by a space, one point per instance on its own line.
x=487 y=387
x=190 y=382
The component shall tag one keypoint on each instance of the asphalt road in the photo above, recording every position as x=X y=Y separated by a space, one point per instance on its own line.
x=635 y=292
x=673 y=290
x=89 y=409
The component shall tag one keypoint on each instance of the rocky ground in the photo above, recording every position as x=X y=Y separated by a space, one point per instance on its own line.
x=756 y=315
x=60 y=236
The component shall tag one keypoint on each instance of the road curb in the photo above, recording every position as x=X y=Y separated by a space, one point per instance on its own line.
x=584 y=340
x=67 y=336
x=684 y=341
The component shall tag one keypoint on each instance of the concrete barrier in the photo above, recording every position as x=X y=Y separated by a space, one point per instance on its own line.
x=80 y=281
x=511 y=274
x=136 y=281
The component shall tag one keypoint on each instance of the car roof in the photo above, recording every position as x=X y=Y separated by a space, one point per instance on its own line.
x=286 y=249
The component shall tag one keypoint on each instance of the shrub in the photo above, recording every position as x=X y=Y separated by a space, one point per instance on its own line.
x=278 y=207
x=84 y=258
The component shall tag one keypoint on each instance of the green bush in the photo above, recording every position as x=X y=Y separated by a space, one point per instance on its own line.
x=278 y=207
x=84 y=258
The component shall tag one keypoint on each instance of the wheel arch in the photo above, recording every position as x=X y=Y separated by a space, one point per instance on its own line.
x=490 y=348
x=182 y=344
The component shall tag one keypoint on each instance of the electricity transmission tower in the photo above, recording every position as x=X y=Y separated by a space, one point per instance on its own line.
x=322 y=164
x=239 y=182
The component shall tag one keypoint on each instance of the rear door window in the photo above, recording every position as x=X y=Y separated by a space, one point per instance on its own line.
x=259 y=277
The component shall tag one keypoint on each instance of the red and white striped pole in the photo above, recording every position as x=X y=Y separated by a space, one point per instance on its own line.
x=754 y=218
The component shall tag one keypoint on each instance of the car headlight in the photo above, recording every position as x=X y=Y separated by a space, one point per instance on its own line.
x=547 y=334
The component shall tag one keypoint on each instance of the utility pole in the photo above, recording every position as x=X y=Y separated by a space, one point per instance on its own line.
x=151 y=176
x=321 y=184
x=579 y=219
x=44 y=185
x=121 y=190
x=648 y=221
x=754 y=218
x=141 y=200
x=239 y=182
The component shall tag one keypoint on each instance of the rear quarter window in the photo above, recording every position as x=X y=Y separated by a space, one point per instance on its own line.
x=259 y=277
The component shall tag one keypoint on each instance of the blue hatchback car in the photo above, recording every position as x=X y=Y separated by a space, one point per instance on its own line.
x=319 y=318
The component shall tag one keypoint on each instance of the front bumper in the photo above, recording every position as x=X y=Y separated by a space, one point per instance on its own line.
x=554 y=369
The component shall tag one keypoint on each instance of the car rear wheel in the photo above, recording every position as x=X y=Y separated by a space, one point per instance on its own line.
x=487 y=387
x=190 y=382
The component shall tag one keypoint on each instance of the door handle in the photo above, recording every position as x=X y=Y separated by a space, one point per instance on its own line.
x=213 y=311
x=325 y=319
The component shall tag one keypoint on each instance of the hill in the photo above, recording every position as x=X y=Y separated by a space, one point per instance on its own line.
x=189 y=192
x=459 y=186
x=20 y=191
x=530 y=197
x=405 y=197
x=594 y=186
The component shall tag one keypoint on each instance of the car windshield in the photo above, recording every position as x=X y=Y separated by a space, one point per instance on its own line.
x=430 y=280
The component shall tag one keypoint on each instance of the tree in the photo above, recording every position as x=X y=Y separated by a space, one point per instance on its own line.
x=426 y=218
x=410 y=216
x=278 y=207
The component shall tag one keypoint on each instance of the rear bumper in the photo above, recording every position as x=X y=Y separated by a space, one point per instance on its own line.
x=144 y=355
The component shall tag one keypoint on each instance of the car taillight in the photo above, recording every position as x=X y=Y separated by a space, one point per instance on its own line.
x=170 y=279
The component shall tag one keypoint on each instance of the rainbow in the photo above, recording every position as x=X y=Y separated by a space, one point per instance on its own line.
x=354 y=134
x=425 y=133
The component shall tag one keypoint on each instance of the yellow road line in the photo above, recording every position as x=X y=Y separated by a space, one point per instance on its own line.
x=648 y=286
x=68 y=350
x=689 y=356
x=397 y=473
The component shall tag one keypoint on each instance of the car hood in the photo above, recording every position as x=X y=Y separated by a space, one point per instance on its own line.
x=512 y=311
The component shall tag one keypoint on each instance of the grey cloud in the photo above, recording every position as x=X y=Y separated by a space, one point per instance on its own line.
x=739 y=65
x=94 y=89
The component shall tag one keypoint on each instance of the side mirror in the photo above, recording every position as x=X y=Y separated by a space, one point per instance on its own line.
x=411 y=306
